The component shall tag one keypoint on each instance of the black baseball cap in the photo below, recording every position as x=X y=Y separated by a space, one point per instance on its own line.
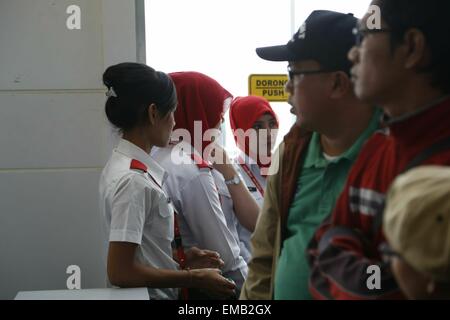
x=325 y=36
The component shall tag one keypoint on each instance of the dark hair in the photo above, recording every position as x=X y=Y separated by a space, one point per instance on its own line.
x=135 y=87
x=431 y=17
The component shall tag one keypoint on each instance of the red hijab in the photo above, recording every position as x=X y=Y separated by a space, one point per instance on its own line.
x=244 y=111
x=200 y=98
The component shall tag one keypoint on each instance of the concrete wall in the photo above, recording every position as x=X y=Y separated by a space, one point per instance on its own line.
x=54 y=138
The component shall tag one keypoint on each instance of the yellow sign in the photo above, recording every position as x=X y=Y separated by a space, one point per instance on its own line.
x=269 y=86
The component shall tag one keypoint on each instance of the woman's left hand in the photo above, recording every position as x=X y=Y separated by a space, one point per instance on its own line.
x=221 y=162
x=200 y=259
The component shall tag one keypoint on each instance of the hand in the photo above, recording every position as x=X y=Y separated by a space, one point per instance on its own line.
x=213 y=283
x=200 y=259
x=221 y=162
x=219 y=155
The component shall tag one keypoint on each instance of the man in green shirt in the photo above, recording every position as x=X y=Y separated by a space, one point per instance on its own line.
x=315 y=157
x=321 y=181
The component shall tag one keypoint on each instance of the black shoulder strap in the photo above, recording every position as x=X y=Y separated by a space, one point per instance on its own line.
x=428 y=153
x=415 y=162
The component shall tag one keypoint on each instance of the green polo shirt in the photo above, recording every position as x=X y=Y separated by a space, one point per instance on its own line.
x=319 y=185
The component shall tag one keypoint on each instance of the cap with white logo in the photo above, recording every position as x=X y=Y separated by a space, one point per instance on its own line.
x=325 y=36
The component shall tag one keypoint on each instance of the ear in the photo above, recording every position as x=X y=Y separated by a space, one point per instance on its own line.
x=341 y=85
x=416 y=49
x=152 y=114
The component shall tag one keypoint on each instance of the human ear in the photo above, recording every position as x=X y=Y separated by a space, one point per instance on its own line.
x=152 y=114
x=341 y=85
x=416 y=49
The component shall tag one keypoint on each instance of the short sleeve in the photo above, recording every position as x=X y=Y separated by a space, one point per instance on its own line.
x=128 y=211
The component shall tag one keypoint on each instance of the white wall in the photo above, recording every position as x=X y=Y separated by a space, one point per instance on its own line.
x=54 y=138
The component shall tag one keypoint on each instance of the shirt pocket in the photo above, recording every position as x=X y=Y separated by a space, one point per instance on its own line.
x=163 y=219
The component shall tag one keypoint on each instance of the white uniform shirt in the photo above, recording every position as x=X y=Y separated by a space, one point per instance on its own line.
x=136 y=210
x=244 y=234
x=204 y=220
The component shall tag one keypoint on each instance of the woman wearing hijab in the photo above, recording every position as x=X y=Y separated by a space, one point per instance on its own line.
x=255 y=148
x=210 y=198
x=136 y=212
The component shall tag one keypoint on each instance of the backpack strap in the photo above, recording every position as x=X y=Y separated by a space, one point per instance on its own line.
x=428 y=153
x=436 y=148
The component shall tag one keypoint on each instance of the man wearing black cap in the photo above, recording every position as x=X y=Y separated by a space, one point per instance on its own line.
x=315 y=157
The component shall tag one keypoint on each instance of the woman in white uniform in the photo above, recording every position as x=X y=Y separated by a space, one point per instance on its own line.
x=208 y=207
x=254 y=156
x=136 y=211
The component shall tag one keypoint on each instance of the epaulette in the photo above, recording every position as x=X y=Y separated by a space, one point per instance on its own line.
x=137 y=165
x=201 y=164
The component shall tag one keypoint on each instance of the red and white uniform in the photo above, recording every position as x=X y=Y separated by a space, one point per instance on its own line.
x=250 y=172
x=204 y=207
x=135 y=209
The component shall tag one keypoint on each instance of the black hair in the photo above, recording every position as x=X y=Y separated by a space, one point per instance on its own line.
x=136 y=86
x=430 y=17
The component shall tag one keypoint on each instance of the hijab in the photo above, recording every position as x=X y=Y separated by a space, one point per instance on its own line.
x=244 y=112
x=200 y=98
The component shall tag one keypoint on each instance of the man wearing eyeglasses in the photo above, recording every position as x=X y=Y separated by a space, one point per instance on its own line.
x=315 y=157
x=403 y=67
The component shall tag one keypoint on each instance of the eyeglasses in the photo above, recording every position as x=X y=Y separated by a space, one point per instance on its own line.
x=293 y=73
x=387 y=253
x=361 y=33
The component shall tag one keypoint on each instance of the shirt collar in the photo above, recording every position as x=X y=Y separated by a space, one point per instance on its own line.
x=427 y=124
x=252 y=165
x=134 y=152
x=315 y=158
x=393 y=121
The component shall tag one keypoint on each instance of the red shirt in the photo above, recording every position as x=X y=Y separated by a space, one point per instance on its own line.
x=340 y=264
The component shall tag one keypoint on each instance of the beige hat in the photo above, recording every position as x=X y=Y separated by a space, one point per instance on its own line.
x=417 y=220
